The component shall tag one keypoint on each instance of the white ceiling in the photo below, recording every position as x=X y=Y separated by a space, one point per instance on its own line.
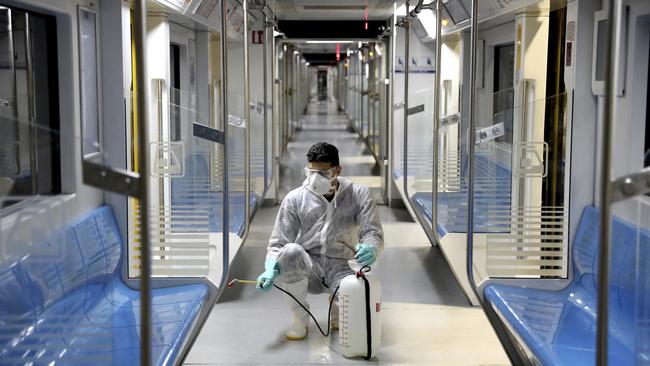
x=333 y=9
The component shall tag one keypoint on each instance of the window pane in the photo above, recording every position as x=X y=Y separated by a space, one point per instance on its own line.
x=89 y=87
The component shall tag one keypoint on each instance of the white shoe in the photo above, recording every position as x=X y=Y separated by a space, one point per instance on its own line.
x=298 y=329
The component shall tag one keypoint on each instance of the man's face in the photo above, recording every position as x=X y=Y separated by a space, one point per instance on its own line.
x=326 y=166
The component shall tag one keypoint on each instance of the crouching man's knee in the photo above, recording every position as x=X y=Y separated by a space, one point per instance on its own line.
x=294 y=262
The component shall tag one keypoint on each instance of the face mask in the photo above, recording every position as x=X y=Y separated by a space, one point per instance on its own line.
x=320 y=184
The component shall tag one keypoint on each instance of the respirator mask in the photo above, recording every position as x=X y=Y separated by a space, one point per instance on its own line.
x=320 y=181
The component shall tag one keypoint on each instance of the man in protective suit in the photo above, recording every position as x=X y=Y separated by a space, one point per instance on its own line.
x=320 y=226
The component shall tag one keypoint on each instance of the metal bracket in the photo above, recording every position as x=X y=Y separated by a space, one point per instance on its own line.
x=450 y=119
x=207 y=133
x=415 y=110
x=490 y=132
x=635 y=184
x=111 y=179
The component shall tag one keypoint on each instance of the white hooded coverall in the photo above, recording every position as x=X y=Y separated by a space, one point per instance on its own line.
x=314 y=239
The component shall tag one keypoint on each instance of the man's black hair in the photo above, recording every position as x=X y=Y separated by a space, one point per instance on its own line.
x=322 y=152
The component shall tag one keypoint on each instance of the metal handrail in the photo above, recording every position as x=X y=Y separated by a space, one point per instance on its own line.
x=265 y=103
x=274 y=107
x=436 y=123
x=140 y=52
x=497 y=324
x=224 y=115
x=471 y=150
x=247 y=133
x=407 y=27
x=602 y=317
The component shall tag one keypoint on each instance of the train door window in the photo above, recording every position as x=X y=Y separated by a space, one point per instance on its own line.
x=89 y=82
x=504 y=97
x=175 y=92
x=30 y=162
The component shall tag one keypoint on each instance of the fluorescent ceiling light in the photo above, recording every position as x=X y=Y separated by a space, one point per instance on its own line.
x=328 y=41
x=178 y=5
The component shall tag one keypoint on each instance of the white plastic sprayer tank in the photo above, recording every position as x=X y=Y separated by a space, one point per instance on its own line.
x=359 y=314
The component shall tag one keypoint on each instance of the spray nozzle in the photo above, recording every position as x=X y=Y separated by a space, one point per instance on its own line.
x=236 y=280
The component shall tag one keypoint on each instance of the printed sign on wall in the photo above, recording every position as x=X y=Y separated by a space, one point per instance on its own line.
x=417 y=65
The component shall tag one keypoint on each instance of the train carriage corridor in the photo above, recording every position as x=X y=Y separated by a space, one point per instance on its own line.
x=470 y=178
x=427 y=319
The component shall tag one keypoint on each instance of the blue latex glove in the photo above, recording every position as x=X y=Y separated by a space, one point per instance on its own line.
x=265 y=280
x=366 y=254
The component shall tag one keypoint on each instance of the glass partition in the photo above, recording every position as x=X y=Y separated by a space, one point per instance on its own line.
x=365 y=86
x=258 y=137
x=237 y=125
x=520 y=213
x=377 y=99
x=184 y=207
x=419 y=149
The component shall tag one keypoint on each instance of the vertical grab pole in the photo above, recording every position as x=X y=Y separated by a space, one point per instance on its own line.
x=247 y=117
x=274 y=111
x=506 y=343
x=605 y=190
x=31 y=100
x=407 y=27
x=142 y=94
x=265 y=76
x=471 y=148
x=224 y=118
x=436 y=123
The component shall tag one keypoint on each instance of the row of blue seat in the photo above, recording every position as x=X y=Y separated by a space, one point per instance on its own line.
x=559 y=327
x=64 y=302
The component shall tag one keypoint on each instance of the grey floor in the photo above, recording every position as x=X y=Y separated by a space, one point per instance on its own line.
x=323 y=123
x=426 y=318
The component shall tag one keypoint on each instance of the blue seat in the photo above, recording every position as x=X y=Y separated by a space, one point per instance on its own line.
x=64 y=302
x=559 y=327
x=492 y=190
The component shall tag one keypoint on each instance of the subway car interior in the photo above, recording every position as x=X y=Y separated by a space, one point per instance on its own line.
x=491 y=170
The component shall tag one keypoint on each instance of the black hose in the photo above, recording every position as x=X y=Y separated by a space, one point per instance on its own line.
x=329 y=312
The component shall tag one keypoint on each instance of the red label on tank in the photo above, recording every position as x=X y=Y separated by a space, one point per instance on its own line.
x=377 y=307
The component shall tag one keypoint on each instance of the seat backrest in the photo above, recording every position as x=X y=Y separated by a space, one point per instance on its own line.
x=84 y=252
x=630 y=258
x=585 y=249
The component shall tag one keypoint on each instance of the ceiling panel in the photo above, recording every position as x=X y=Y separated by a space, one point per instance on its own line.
x=333 y=9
